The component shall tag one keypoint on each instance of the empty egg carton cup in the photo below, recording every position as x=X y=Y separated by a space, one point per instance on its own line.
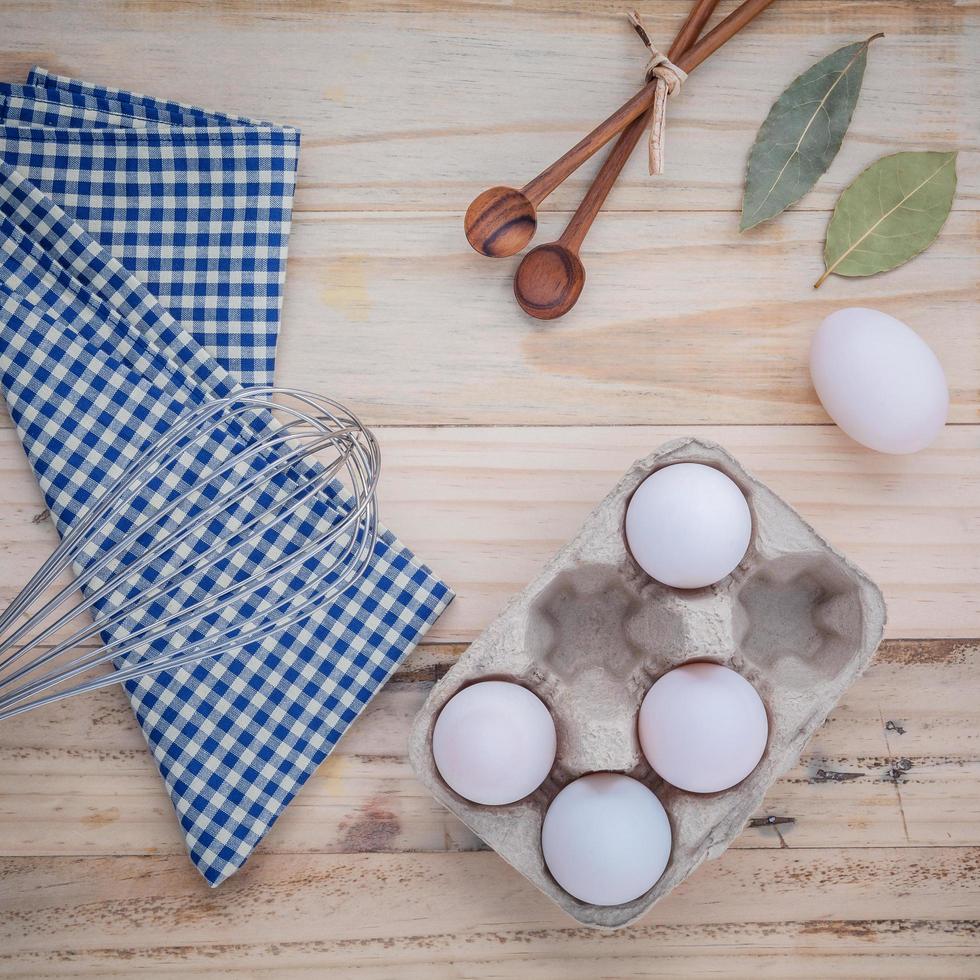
x=593 y=632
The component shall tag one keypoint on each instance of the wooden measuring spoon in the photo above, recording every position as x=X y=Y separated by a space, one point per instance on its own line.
x=550 y=277
x=502 y=220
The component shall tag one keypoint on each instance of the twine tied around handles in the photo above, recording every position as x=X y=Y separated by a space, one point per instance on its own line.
x=669 y=79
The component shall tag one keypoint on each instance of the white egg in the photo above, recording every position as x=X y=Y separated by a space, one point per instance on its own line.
x=703 y=727
x=688 y=525
x=606 y=839
x=879 y=380
x=494 y=742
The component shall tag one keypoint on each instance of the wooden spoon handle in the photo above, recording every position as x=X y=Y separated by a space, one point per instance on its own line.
x=580 y=223
x=595 y=197
x=537 y=189
x=742 y=15
x=692 y=27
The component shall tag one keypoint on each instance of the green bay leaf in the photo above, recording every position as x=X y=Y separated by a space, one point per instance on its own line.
x=802 y=133
x=891 y=213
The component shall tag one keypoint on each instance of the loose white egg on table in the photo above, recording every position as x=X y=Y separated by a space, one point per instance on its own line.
x=494 y=742
x=879 y=380
x=688 y=525
x=703 y=727
x=606 y=839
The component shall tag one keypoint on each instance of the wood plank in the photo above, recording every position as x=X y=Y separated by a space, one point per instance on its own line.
x=486 y=507
x=681 y=321
x=75 y=778
x=746 y=956
x=452 y=914
x=370 y=294
x=879 y=877
x=424 y=104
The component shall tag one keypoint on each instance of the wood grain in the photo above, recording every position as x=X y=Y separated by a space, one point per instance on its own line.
x=499 y=434
x=77 y=779
x=368 y=295
x=421 y=105
x=472 y=915
x=500 y=221
x=487 y=507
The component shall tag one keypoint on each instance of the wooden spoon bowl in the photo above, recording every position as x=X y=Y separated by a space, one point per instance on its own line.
x=500 y=222
x=549 y=281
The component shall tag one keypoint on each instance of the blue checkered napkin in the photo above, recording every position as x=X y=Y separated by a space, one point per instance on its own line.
x=92 y=366
x=51 y=100
x=197 y=205
x=135 y=104
x=127 y=106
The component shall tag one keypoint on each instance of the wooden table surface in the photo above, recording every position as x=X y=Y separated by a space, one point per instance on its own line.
x=499 y=434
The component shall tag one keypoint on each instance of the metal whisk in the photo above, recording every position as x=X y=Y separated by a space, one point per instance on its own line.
x=241 y=520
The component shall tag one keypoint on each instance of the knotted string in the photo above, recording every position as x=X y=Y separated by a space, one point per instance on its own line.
x=669 y=80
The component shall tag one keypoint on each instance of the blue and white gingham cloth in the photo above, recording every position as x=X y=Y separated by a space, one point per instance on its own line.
x=196 y=205
x=142 y=254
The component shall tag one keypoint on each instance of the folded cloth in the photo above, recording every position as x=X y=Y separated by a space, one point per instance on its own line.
x=196 y=205
x=93 y=366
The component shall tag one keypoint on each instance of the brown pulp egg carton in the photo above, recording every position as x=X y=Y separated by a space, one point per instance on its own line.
x=593 y=632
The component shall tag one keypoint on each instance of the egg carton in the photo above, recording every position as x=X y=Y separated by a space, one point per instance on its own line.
x=593 y=632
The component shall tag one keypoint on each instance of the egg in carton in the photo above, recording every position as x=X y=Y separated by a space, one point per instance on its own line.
x=593 y=632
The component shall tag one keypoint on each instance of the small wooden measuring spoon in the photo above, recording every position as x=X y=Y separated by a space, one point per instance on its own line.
x=550 y=277
x=502 y=220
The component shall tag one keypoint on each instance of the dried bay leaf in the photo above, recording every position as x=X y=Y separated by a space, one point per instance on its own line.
x=891 y=213
x=802 y=133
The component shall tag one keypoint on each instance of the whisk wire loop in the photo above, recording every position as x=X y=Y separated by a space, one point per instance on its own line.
x=243 y=518
x=94 y=596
